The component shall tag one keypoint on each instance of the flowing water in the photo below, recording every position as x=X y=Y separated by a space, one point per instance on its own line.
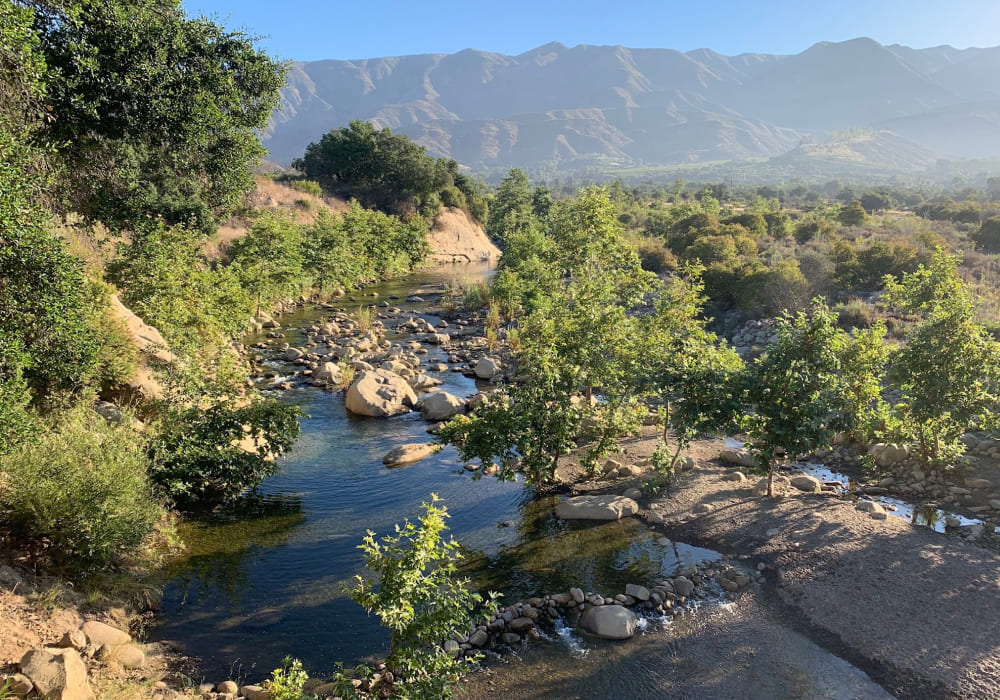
x=266 y=578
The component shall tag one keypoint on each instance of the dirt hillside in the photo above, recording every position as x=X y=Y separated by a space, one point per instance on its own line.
x=456 y=237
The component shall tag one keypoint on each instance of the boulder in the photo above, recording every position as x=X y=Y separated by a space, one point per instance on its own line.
x=488 y=367
x=379 y=394
x=809 y=484
x=479 y=638
x=735 y=476
x=74 y=639
x=127 y=656
x=423 y=382
x=978 y=483
x=596 y=508
x=609 y=622
x=441 y=406
x=101 y=634
x=57 y=674
x=870 y=507
x=229 y=687
x=637 y=592
x=329 y=373
x=887 y=455
x=254 y=692
x=779 y=486
x=683 y=586
x=409 y=453
x=736 y=457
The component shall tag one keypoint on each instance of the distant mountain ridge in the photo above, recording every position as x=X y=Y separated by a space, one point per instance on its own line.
x=612 y=105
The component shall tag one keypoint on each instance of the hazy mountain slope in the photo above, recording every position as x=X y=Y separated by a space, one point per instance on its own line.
x=613 y=104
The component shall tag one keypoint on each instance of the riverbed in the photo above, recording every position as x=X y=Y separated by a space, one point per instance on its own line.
x=266 y=579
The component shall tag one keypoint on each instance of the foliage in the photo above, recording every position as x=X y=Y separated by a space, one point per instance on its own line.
x=417 y=595
x=81 y=488
x=793 y=393
x=268 y=260
x=164 y=278
x=288 y=682
x=155 y=113
x=949 y=368
x=863 y=367
x=197 y=454
x=17 y=422
x=43 y=305
x=389 y=171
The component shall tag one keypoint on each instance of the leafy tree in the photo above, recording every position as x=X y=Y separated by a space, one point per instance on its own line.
x=416 y=594
x=852 y=214
x=511 y=209
x=988 y=236
x=269 y=258
x=197 y=454
x=793 y=393
x=949 y=368
x=157 y=114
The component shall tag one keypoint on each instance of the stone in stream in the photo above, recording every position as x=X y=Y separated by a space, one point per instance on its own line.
x=329 y=373
x=487 y=368
x=441 y=406
x=683 y=586
x=409 y=453
x=380 y=393
x=609 y=622
x=870 y=507
x=637 y=592
x=595 y=507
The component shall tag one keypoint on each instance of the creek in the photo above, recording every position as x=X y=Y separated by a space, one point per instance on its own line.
x=265 y=578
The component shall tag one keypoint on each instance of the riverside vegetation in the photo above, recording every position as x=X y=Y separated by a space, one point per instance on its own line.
x=602 y=298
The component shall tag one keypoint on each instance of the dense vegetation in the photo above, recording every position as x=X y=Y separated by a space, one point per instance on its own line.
x=389 y=171
x=590 y=321
x=129 y=133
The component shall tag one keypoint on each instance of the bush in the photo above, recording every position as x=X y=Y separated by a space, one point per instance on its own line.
x=418 y=597
x=82 y=489
x=307 y=186
x=198 y=454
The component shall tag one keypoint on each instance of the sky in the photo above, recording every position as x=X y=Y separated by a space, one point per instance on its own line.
x=308 y=30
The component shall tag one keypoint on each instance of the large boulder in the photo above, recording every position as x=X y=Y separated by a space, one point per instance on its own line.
x=594 y=507
x=380 y=393
x=409 y=453
x=809 y=484
x=441 y=406
x=488 y=367
x=100 y=634
x=737 y=457
x=58 y=674
x=609 y=622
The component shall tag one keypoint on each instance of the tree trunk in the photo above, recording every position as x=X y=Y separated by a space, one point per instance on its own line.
x=770 y=479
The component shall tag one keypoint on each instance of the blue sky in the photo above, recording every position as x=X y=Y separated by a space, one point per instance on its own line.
x=317 y=29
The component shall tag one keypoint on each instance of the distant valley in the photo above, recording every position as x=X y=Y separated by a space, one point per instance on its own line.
x=558 y=109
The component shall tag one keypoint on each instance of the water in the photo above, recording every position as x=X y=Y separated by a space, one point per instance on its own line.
x=266 y=579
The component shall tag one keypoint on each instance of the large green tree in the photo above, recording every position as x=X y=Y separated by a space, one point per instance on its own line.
x=154 y=113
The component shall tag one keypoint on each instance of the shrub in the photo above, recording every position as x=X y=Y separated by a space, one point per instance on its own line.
x=82 y=489
x=418 y=597
x=307 y=186
x=288 y=682
x=198 y=454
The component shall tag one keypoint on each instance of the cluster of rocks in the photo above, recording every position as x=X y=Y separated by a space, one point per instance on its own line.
x=598 y=615
x=751 y=339
x=61 y=672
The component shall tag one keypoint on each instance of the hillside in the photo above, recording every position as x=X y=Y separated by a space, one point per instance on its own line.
x=569 y=108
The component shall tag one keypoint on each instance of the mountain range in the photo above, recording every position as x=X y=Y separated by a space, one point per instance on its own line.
x=570 y=108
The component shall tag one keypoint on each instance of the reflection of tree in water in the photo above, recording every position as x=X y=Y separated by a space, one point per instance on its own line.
x=553 y=555
x=219 y=543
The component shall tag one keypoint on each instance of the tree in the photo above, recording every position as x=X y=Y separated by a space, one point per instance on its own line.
x=156 y=114
x=416 y=594
x=793 y=393
x=949 y=368
x=511 y=209
x=852 y=214
x=988 y=236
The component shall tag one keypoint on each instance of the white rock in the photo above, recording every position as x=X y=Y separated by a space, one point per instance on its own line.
x=380 y=393
x=441 y=406
x=409 y=453
x=596 y=508
x=488 y=367
x=809 y=484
